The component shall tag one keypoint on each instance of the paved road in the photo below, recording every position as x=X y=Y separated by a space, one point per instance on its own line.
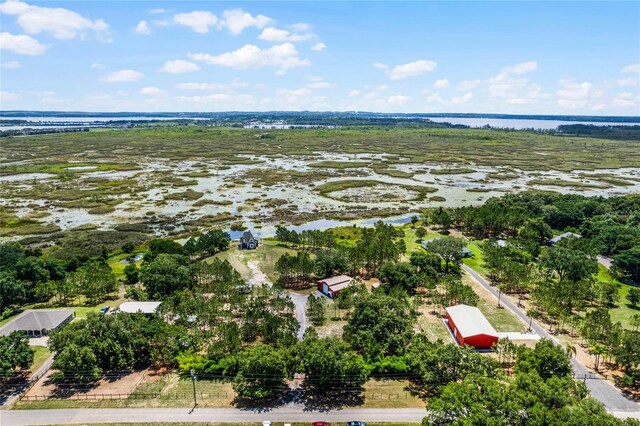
x=292 y=413
x=600 y=389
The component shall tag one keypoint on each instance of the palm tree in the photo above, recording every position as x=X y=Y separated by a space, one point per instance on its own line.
x=570 y=349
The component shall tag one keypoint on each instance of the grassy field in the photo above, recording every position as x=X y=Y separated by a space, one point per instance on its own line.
x=41 y=353
x=501 y=319
x=623 y=311
x=475 y=262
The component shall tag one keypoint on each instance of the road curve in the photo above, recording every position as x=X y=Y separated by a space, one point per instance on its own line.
x=600 y=388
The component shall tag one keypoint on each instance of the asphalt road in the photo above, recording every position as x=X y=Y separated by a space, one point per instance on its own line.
x=8 y=403
x=293 y=413
x=600 y=388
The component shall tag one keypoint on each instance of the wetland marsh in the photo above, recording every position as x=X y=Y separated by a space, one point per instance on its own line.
x=172 y=181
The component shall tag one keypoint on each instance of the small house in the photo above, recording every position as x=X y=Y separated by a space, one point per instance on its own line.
x=331 y=287
x=471 y=327
x=38 y=322
x=248 y=241
x=555 y=240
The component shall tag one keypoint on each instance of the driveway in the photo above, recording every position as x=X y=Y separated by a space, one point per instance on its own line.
x=600 y=388
x=300 y=300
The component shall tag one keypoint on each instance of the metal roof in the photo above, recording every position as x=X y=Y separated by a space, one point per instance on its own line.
x=139 y=307
x=470 y=321
x=336 y=280
x=565 y=235
x=37 y=319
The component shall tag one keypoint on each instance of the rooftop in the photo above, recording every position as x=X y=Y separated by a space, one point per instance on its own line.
x=470 y=321
x=565 y=235
x=139 y=307
x=336 y=280
x=37 y=319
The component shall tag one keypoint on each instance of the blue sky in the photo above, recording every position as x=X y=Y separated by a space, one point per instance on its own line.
x=500 y=57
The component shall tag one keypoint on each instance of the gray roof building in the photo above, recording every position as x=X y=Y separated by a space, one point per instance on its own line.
x=554 y=240
x=38 y=322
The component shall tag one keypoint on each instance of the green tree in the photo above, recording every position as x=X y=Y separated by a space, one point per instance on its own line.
x=627 y=264
x=95 y=281
x=450 y=249
x=128 y=247
x=77 y=363
x=330 y=365
x=166 y=274
x=545 y=359
x=12 y=291
x=262 y=372
x=316 y=310
x=15 y=352
x=131 y=273
x=380 y=325
x=634 y=297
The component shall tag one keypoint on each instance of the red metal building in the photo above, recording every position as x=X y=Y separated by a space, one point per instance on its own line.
x=334 y=285
x=470 y=327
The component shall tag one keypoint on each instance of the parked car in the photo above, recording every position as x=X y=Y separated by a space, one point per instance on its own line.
x=356 y=424
x=266 y=423
x=321 y=424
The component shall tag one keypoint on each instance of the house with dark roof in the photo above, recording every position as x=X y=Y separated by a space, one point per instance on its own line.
x=38 y=322
x=248 y=241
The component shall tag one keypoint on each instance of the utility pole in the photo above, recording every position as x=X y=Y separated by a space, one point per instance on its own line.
x=193 y=380
x=499 y=295
x=530 y=321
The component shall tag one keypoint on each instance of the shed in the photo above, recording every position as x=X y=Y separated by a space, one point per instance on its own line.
x=147 y=308
x=248 y=241
x=334 y=285
x=38 y=322
x=470 y=327
x=502 y=243
x=555 y=240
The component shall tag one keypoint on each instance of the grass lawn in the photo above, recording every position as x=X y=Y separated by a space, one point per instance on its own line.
x=115 y=262
x=41 y=353
x=623 y=311
x=431 y=325
x=502 y=319
x=389 y=394
x=476 y=261
x=411 y=240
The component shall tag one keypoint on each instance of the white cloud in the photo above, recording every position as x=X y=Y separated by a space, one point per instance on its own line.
x=21 y=44
x=354 y=93
x=521 y=68
x=179 y=66
x=152 y=91
x=279 y=35
x=466 y=85
x=236 y=20
x=398 y=100
x=321 y=85
x=9 y=97
x=50 y=100
x=10 y=65
x=633 y=68
x=63 y=24
x=157 y=11
x=282 y=56
x=96 y=66
x=625 y=100
x=570 y=89
x=220 y=100
x=122 y=76
x=200 y=86
x=411 y=69
x=198 y=20
x=441 y=84
x=303 y=91
x=628 y=82
x=319 y=47
x=466 y=98
x=142 y=28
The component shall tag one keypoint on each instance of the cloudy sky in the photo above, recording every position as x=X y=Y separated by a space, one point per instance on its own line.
x=503 y=57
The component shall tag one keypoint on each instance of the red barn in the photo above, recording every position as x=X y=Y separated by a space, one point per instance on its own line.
x=470 y=327
x=334 y=285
